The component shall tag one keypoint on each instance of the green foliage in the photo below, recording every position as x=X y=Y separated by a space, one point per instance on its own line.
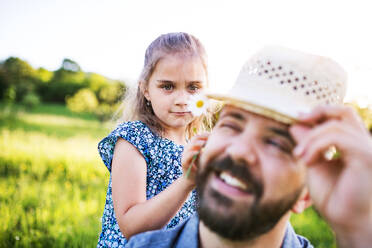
x=44 y=75
x=64 y=83
x=105 y=112
x=83 y=101
x=10 y=94
x=19 y=75
x=310 y=225
x=365 y=113
x=111 y=93
x=82 y=92
x=18 y=69
x=31 y=100
x=96 y=82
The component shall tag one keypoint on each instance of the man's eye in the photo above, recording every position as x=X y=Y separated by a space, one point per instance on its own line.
x=278 y=145
x=230 y=126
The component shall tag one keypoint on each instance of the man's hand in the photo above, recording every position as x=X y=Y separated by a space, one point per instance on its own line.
x=341 y=189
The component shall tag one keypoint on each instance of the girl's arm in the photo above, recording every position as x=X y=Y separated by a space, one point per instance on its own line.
x=133 y=213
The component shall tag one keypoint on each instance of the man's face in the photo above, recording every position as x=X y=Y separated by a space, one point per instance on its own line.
x=248 y=178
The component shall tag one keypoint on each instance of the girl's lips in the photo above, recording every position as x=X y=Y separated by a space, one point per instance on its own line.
x=181 y=113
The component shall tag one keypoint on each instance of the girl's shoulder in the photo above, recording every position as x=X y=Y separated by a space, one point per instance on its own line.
x=136 y=133
x=133 y=128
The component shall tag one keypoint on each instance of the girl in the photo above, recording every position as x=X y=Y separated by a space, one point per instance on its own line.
x=147 y=188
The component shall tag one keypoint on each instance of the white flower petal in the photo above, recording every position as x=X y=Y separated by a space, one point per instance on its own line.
x=198 y=104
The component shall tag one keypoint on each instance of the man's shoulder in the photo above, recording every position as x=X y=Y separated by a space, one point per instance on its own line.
x=174 y=237
x=305 y=243
x=293 y=240
x=159 y=238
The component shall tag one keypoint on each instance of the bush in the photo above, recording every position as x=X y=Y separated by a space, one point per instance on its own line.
x=18 y=76
x=10 y=94
x=58 y=91
x=105 y=112
x=95 y=82
x=111 y=93
x=64 y=83
x=31 y=100
x=83 y=101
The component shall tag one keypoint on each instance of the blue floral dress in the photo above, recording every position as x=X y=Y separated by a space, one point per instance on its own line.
x=163 y=159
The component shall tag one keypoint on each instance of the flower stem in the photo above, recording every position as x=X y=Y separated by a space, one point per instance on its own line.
x=191 y=164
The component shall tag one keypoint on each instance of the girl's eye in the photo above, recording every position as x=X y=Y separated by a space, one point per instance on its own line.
x=193 y=88
x=167 y=86
x=278 y=145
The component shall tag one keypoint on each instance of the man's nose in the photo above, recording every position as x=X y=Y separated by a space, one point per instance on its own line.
x=243 y=149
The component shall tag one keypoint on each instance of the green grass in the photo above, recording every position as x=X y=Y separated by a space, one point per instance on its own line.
x=52 y=179
x=53 y=183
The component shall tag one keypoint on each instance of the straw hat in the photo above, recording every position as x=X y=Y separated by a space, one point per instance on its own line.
x=280 y=83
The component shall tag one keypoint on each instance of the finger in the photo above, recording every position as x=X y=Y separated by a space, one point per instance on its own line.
x=197 y=145
x=188 y=160
x=299 y=131
x=197 y=139
x=315 y=151
x=326 y=112
x=322 y=112
x=200 y=136
x=321 y=179
x=320 y=131
x=333 y=133
x=204 y=134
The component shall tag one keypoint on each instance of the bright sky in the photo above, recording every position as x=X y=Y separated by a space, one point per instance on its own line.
x=110 y=37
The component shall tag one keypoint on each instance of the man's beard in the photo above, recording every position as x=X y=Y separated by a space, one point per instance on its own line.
x=247 y=221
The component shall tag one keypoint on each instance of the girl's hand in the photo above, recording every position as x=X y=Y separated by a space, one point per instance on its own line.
x=190 y=156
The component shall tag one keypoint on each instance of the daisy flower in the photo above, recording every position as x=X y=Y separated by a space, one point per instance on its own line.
x=197 y=105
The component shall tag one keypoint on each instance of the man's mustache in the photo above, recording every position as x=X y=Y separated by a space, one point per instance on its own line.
x=239 y=170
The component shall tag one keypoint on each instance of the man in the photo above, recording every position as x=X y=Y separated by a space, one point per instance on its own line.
x=282 y=138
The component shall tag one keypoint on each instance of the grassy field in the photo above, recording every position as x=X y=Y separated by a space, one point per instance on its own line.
x=53 y=183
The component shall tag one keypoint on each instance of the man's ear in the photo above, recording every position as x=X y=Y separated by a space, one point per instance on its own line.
x=303 y=202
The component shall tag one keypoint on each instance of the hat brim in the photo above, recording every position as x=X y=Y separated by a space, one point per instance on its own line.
x=257 y=109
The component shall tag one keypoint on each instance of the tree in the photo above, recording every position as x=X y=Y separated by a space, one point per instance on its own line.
x=83 y=101
x=66 y=81
x=112 y=93
x=70 y=65
x=96 y=82
x=18 y=75
x=44 y=75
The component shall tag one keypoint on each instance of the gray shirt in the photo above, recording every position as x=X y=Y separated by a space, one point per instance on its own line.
x=186 y=235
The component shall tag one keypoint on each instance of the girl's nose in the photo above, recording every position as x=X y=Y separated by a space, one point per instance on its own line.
x=182 y=98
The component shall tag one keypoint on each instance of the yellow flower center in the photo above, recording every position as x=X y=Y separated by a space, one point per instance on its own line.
x=199 y=104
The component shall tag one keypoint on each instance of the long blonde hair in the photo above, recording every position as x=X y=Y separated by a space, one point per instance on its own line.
x=134 y=105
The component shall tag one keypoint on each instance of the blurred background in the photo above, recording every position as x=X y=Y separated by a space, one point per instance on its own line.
x=65 y=65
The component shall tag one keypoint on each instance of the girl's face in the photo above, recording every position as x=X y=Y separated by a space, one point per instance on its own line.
x=173 y=81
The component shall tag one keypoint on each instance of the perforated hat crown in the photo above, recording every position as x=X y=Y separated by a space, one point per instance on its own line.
x=280 y=83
